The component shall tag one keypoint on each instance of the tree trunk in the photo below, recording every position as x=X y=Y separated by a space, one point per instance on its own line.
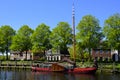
x=44 y=53
x=6 y=53
x=7 y=45
x=26 y=55
x=89 y=54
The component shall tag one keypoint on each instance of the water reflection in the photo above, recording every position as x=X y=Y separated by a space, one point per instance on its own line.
x=48 y=76
x=29 y=75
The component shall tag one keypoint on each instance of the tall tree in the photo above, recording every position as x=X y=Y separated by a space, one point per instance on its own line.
x=40 y=38
x=21 y=41
x=6 y=34
x=61 y=36
x=89 y=32
x=112 y=32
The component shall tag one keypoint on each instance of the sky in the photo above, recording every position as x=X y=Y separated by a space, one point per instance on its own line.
x=17 y=13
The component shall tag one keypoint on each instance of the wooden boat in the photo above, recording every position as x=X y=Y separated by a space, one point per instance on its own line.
x=88 y=70
x=57 y=67
x=49 y=67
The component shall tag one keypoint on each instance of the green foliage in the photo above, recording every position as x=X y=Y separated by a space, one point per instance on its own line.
x=42 y=59
x=89 y=32
x=79 y=52
x=6 y=34
x=61 y=36
x=104 y=45
x=21 y=41
x=112 y=31
x=40 y=38
x=86 y=56
x=2 y=58
x=84 y=64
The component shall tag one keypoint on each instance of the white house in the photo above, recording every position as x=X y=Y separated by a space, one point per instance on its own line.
x=55 y=56
x=17 y=55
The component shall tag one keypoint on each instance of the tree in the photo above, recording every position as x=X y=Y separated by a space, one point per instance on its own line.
x=40 y=38
x=61 y=36
x=21 y=41
x=79 y=51
x=89 y=32
x=104 y=44
x=112 y=32
x=6 y=34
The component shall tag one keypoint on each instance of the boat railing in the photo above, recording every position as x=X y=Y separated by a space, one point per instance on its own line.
x=42 y=65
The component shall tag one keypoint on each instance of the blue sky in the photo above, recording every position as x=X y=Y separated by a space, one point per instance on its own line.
x=17 y=13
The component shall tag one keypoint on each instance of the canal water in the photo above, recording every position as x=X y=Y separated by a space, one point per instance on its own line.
x=29 y=75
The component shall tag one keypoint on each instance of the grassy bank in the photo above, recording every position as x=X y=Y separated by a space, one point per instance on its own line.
x=80 y=64
x=109 y=65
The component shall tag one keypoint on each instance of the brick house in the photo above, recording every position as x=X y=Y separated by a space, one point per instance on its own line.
x=101 y=54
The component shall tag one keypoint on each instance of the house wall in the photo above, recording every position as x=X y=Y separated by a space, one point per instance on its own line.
x=114 y=54
x=17 y=56
x=55 y=57
x=101 y=54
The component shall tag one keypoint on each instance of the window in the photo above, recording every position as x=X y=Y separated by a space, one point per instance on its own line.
x=21 y=54
x=101 y=58
x=96 y=58
x=101 y=51
x=96 y=51
x=106 y=59
x=106 y=51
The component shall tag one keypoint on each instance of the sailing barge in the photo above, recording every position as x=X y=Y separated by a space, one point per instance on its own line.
x=58 y=67
x=70 y=67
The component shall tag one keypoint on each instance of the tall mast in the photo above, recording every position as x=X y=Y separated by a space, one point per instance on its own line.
x=73 y=26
